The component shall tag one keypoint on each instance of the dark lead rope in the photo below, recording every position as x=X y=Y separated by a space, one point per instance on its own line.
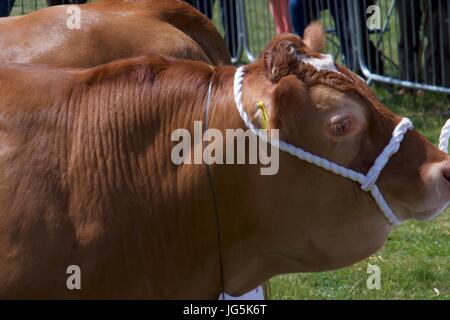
x=213 y=194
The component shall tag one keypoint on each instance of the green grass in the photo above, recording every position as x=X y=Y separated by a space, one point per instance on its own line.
x=415 y=262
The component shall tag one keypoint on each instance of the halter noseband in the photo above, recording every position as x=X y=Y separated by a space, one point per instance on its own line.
x=367 y=182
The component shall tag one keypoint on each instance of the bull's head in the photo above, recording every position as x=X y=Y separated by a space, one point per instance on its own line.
x=317 y=220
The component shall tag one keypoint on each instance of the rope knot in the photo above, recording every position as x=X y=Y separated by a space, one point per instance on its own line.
x=368 y=185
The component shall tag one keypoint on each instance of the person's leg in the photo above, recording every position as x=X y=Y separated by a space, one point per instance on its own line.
x=5 y=7
x=60 y=2
x=209 y=5
x=230 y=25
x=339 y=12
x=280 y=13
x=409 y=43
x=284 y=6
x=302 y=12
x=445 y=32
x=204 y=6
x=372 y=55
x=437 y=52
x=296 y=10
x=275 y=10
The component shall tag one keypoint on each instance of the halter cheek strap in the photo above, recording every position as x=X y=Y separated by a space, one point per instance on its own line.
x=367 y=182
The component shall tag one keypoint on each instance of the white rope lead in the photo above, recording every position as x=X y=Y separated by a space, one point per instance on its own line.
x=368 y=182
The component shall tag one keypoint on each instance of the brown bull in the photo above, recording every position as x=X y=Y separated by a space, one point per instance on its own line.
x=87 y=177
x=110 y=30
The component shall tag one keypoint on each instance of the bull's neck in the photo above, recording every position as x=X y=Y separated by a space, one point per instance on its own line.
x=134 y=127
x=240 y=228
x=251 y=210
x=235 y=218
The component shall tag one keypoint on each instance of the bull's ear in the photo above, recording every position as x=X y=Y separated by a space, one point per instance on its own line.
x=314 y=37
x=281 y=56
x=287 y=99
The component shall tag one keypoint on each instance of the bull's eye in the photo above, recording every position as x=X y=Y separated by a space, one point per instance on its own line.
x=340 y=126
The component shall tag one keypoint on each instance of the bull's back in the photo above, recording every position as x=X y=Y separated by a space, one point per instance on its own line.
x=108 y=31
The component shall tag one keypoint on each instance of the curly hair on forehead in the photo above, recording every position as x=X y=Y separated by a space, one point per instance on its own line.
x=348 y=82
x=311 y=76
x=344 y=81
x=283 y=56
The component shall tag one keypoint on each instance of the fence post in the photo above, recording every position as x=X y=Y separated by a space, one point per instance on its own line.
x=245 y=41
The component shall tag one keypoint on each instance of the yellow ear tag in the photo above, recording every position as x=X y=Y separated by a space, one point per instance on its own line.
x=265 y=115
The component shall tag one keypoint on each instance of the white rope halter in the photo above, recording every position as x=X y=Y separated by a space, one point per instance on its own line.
x=367 y=182
x=443 y=139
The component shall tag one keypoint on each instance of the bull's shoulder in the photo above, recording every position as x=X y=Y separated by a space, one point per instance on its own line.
x=23 y=85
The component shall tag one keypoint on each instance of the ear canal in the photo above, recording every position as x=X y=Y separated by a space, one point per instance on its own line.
x=282 y=56
x=289 y=94
x=314 y=37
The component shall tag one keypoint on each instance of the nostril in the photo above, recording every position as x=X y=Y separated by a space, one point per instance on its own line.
x=446 y=173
